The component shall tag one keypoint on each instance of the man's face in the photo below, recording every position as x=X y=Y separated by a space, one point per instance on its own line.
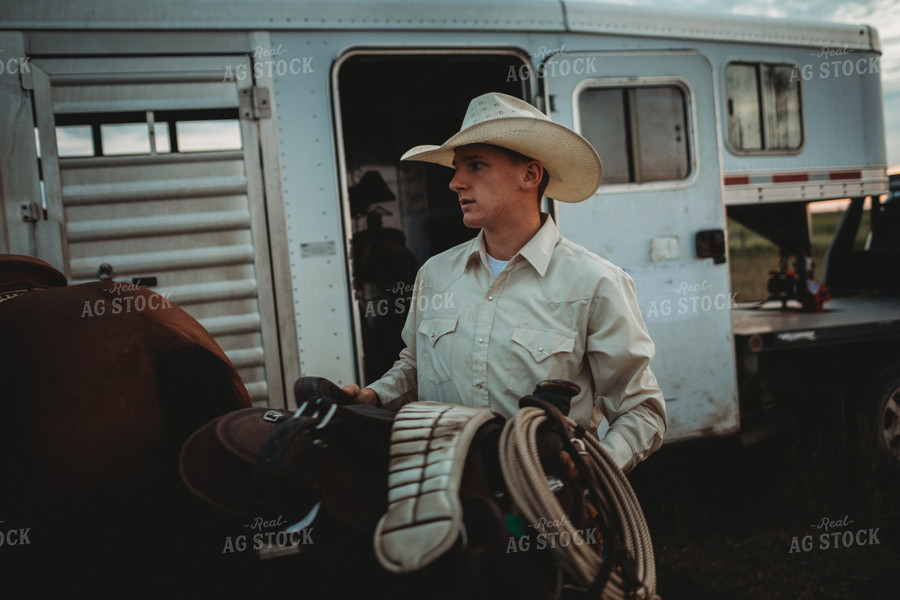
x=487 y=181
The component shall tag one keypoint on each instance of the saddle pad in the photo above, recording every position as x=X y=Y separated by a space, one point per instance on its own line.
x=429 y=444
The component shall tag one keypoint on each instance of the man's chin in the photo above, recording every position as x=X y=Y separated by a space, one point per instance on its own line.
x=471 y=222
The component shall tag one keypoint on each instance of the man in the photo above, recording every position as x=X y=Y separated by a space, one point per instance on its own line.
x=492 y=317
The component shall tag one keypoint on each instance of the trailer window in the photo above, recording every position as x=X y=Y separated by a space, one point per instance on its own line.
x=763 y=107
x=198 y=136
x=640 y=132
x=148 y=132
x=73 y=140
x=125 y=138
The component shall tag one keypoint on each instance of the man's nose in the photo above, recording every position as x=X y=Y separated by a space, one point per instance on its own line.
x=457 y=183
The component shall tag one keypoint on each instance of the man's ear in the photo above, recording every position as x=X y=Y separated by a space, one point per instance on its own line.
x=534 y=173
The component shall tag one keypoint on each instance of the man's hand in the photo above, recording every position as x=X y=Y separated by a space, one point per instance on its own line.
x=568 y=464
x=361 y=396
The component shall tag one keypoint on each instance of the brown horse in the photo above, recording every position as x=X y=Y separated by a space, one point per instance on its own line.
x=100 y=384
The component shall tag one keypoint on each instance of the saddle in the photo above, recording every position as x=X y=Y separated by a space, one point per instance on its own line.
x=20 y=274
x=252 y=460
x=259 y=461
x=396 y=480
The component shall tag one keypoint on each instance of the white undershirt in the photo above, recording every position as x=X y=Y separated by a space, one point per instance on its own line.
x=495 y=265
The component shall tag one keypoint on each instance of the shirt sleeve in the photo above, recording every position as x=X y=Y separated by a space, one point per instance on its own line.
x=401 y=379
x=619 y=351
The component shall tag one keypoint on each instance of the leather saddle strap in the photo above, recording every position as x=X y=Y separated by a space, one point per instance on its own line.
x=264 y=477
x=429 y=445
x=318 y=399
x=13 y=293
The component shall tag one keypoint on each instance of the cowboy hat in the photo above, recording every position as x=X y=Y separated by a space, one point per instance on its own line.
x=506 y=121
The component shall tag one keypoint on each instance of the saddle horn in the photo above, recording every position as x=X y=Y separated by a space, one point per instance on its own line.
x=557 y=392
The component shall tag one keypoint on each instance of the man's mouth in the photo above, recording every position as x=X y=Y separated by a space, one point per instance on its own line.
x=465 y=201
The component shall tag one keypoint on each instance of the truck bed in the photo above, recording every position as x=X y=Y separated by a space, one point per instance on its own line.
x=845 y=319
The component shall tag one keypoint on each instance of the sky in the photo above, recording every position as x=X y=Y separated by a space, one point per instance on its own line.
x=884 y=15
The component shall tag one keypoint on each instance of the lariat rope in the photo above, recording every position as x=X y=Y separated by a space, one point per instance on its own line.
x=527 y=482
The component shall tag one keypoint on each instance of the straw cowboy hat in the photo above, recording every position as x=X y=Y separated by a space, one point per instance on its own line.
x=502 y=120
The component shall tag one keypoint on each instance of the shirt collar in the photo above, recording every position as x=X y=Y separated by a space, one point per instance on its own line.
x=539 y=248
x=537 y=251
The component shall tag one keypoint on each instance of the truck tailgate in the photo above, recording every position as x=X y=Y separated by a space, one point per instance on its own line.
x=843 y=320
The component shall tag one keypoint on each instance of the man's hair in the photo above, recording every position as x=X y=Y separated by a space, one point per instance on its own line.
x=521 y=159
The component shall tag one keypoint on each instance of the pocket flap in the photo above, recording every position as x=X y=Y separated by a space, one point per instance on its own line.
x=542 y=343
x=433 y=329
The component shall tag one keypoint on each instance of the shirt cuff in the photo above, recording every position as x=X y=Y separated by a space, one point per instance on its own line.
x=385 y=392
x=619 y=449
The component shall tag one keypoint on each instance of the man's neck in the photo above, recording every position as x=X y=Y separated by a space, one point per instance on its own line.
x=503 y=243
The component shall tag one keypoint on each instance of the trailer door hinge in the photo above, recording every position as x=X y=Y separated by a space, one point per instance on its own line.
x=255 y=103
x=25 y=76
x=31 y=212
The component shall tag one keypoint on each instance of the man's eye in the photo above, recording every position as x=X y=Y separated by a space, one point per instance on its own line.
x=476 y=165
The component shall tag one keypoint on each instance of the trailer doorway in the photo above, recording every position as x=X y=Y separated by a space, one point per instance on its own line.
x=398 y=214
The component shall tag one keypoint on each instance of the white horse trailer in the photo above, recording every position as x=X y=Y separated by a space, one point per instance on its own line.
x=239 y=157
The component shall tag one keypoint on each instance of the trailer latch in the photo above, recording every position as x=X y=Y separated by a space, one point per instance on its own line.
x=711 y=244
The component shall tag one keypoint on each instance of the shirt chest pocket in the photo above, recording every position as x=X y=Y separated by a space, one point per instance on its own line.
x=537 y=354
x=540 y=344
x=435 y=345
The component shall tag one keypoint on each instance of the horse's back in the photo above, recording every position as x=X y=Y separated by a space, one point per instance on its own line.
x=101 y=384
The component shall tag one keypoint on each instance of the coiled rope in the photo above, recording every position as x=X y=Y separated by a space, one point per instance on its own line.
x=632 y=577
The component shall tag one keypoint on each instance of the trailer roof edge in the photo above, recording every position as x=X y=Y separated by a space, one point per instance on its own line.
x=577 y=16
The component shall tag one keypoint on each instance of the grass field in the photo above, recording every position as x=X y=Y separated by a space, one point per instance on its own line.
x=752 y=256
x=736 y=523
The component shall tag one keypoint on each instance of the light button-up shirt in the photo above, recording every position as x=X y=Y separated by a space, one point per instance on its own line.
x=557 y=311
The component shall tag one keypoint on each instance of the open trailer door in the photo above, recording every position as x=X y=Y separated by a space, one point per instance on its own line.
x=151 y=175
